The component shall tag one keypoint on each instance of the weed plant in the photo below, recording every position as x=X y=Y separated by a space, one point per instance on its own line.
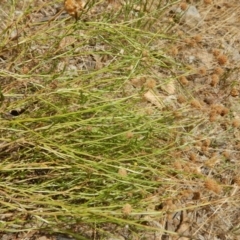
x=83 y=150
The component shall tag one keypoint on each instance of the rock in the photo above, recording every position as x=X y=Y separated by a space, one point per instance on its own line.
x=192 y=17
x=116 y=238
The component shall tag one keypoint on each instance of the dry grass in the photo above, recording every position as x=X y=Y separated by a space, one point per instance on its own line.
x=123 y=124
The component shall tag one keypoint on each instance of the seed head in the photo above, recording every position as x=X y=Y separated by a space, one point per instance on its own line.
x=224 y=111
x=138 y=82
x=127 y=209
x=206 y=142
x=216 y=52
x=202 y=70
x=183 y=80
x=234 y=92
x=211 y=162
x=196 y=104
x=219 y=109
x=173 y=51
x=214 y=80
x=177 y=165
x=226 y=154
x=193 y=157
x=219 y=71
x=129 y=134
x=197 y=38
x=212 y=116
x=73 y=7
x=212 y=185
x=181 y=99
x=207 y=1
x=150 y=83
x=222 y=59
x=122 y=172
x=183 y=6
x=196 y=196
x=236 y=123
